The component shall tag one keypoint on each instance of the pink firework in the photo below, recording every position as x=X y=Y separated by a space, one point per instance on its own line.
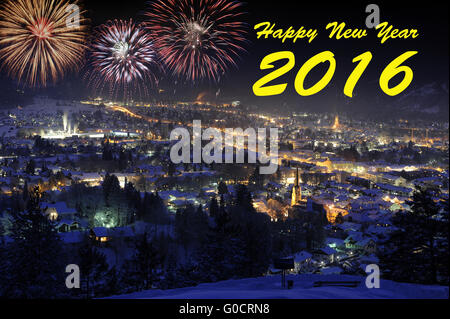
x=122 y=58
x=197 y=39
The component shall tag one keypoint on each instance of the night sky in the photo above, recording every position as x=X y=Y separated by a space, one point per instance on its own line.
x=430 y=65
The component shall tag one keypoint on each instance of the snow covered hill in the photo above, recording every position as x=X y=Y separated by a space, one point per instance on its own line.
x=270 y=288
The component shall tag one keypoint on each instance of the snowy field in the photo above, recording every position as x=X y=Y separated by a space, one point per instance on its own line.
x=270 y=288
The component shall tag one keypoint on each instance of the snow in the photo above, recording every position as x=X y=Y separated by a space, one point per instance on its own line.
x=101 y=231
x=328 y=250
x=331 y=270
x=73 y=237
x=302 y=256
x=61 y=207
x=270 y=288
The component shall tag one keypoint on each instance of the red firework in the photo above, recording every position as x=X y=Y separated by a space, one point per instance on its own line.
x=197 y=39
x=122 y=58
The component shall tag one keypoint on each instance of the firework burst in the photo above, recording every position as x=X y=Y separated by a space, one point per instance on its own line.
x=38 y=42
x=197 y=39
x=122 y=58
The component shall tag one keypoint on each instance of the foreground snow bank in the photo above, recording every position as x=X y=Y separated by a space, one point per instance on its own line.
x=270 y=288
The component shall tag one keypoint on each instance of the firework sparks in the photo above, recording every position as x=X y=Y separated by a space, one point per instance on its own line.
x=122 y=58
x=197 y=39
x=38 y=45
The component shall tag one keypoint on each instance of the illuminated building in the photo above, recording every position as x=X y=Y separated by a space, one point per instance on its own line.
x=336 y=124
x=296 y=191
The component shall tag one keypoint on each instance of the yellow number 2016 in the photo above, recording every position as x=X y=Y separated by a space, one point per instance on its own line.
x=392 y=70
x=364 y=59
x=308 y=66
x=266 y=63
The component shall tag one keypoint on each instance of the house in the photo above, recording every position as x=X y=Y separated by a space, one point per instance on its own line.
x=352 y=239
x=302 y=260
x=356 y=242
x=325 y=255
x=430 y=182
x=367 y=246
x=91 y=179
x=100 y=234
x=126 y=233
x=58 y=210
x=349 y=226
x=66 y=225
x=333 y=211
x=335 y=243
x=6 y=190
x=387 y=178
x=395 y=190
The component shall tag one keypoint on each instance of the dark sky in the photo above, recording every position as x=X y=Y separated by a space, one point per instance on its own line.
x=430 y=65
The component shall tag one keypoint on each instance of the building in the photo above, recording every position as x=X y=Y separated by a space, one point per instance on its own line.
x=325 y=255
x=296 y=191
x=58 y=210
x=302 y=261
x=336 y=125
x=100 y=234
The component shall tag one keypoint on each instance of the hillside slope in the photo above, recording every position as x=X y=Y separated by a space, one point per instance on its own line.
x=270 y=288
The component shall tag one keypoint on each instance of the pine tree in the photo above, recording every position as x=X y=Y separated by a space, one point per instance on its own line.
x=256 y=179
x=2 y=232
x=25 y=193
x=222 y=188
x=249 y=231
x=3 y=262
x=35 y=258
x=146 y=259
x=93 y=267
x=123 y=160
x=243 y=198
x=200 y=224
x=220 y=258
x=213 y=208
x=159 y=210
x=171 y=169
x=111 y=187
x=112 y=284
x=107 y=154
x=418 y=250
x=31 y=167
x=154 y=210
x=339 y=219
x=183 y=228
x=133 y=198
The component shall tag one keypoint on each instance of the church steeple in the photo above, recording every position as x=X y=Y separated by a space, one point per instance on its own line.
x=336 y=125
x=296 y=190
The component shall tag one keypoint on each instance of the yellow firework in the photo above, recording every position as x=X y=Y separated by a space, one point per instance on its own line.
x=40 y=40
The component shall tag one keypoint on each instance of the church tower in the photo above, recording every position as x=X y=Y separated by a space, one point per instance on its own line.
x=296 y=191
x=336 y=124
